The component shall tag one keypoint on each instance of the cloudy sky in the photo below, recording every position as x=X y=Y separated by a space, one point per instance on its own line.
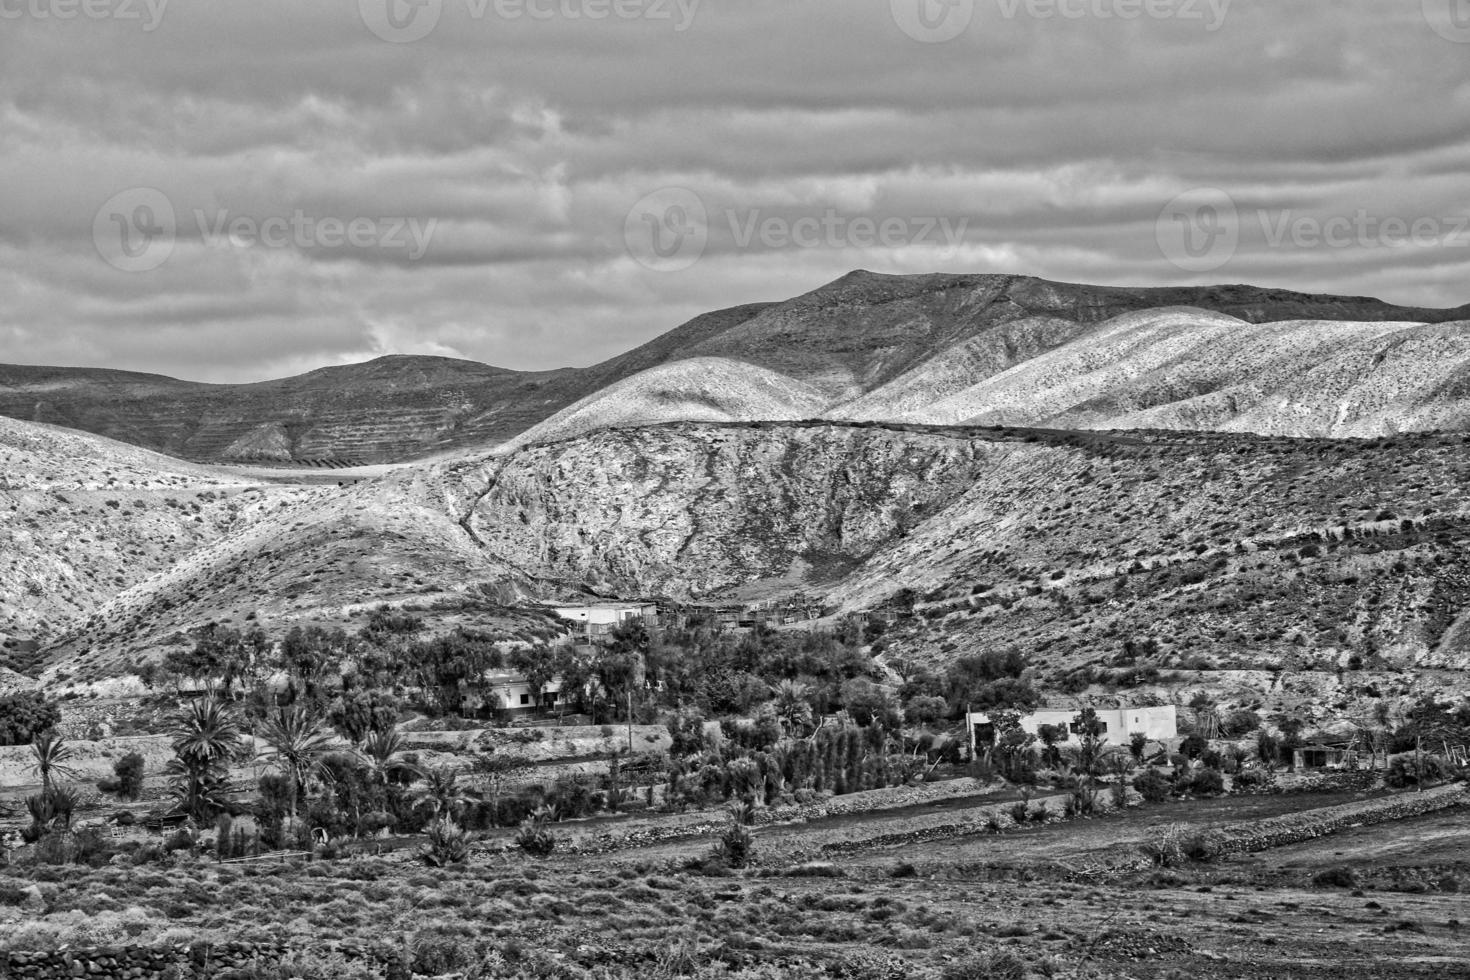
x=238 y=189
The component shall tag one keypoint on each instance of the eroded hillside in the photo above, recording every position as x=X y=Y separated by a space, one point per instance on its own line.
x=83 y=518
x=1216 y=550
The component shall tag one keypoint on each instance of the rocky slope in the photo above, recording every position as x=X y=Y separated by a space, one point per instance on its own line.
x=83 y=518
x=700 y=389
x=1250 y=552
x=874 y=347
x=1185 y=369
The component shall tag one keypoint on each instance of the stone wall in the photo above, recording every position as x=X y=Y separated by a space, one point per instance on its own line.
x=1293 y=828
x=202 y=960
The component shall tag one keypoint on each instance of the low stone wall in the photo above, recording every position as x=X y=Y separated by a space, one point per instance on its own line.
x=658 y=829
x=1294 y=828
x=937 y=826
x=201 y=961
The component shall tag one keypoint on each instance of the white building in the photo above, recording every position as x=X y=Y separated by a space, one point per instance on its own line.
x=512 y=692
x=601 y=618
x=1119 y=725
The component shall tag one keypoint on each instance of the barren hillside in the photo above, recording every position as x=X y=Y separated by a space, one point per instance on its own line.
x=1255 y=552
x=873 y=346
x=1191 y=370
x=701 y=389
x=83 y=518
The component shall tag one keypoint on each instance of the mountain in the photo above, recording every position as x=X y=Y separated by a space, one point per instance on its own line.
x=920 y=348
x=1213 y=551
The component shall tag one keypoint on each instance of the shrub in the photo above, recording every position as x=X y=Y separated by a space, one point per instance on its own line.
x=449 y=843
x=735 y=845
x=535 y=838
x=1207 y=782
x=129 y=776
x=996 y=964
x=25 y=715
x=1253 y=779
x=1338 y=877
x=1405 y=770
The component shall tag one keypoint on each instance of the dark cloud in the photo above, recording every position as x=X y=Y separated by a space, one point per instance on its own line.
x=524 y=143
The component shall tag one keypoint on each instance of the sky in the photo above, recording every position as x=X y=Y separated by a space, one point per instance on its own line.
x=231 y=190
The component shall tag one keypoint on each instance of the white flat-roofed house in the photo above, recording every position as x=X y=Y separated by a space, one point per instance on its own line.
x=512 y=692
x=1157 y=723
x=599 y=619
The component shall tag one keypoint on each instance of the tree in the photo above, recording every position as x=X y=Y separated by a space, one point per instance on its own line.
x=129 y=772
x=49 y=757
x=793 y=706
x=870 y=704
x=295 y=742
x=925 y=709
x=1268 y=749
x=205 y=736
x=1012 y=743
x=1291 y=739
x=357 y=714
x=1137 y=745
x=220 y=653
x=443 y=794
x=25 y=715
x=1050 y=737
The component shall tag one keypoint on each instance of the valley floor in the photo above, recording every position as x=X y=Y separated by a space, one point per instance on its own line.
x=1003 y=905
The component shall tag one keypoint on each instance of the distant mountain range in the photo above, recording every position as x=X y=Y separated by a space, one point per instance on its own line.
x=946 y=349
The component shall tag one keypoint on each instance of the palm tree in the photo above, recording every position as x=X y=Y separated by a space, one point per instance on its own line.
x=794 y=705
x=296 y=739
x=51 y=755
x=205 y=737
x=443 y=792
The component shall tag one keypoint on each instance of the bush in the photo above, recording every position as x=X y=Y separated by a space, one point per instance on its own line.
x=129 y=773
x=1338 y=877
x=1175 y=845
x=534 y=838
x=1253 y=779
x=1407 y=770
x=1207 y=782
x=735 y=845
x=1153 y=785
x=449 y=843
x=25 y=715
x=997 y=964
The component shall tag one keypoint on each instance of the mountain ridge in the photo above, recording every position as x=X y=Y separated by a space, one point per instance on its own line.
x=847 y=339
